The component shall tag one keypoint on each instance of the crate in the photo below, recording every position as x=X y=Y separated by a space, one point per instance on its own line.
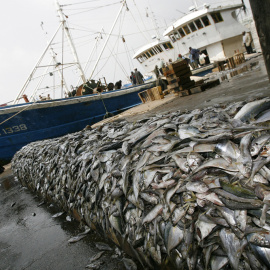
x=182 y=93
x=170 y=71
x=181 y=80
x=239 y=58
x=152 y=94
x=146 y=96
x=188 y=85
x=157 y=92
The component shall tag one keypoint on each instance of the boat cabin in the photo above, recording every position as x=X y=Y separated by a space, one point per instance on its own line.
x=214 y=31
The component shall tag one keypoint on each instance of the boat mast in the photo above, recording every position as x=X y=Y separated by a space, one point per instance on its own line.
x=124 y=4
x=63 y=20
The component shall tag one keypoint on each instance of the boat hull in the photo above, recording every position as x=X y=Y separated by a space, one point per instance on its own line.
x=25 y=123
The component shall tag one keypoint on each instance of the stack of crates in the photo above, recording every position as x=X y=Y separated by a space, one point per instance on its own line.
x=178 y=77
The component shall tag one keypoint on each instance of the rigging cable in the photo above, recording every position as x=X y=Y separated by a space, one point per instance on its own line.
x=148 y=40
x=91 y=9
x=139 y=27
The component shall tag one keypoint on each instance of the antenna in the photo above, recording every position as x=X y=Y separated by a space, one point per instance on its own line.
x=195 y=4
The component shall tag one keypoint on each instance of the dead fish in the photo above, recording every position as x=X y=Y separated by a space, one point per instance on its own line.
x=103 y=247
x=79 y=236
x=187 y=131
x=97 y=256
x=228 y=150
x=94 y=265
x=129 y=264
x=182 y=163
x=163 y=184
x=58 y=214
x=153 y=213
x=198 y=187
x=252 y=109
x=232 y=246
x=258 y=143
x=219 y=163
x=173 y=236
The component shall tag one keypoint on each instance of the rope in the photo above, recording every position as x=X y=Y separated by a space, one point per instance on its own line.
x=108 y=114
x=17 y=113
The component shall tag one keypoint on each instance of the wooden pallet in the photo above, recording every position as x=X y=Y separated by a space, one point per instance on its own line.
x=157 y=92
x=176 y=69
x=182 y=93
x=152 y=94
x=176 y=79
x=239 y=58
x=146 y=96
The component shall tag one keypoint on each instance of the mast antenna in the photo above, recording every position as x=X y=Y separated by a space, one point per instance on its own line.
x=66 y=29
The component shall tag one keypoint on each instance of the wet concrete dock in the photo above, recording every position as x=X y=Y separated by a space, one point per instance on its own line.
x=30 y=238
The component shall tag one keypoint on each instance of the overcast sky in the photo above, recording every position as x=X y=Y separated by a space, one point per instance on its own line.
x=23 y=39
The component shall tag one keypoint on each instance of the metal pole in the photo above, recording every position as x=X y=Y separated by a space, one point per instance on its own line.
x=16 y=101
x=70 y=41
x=124 y=3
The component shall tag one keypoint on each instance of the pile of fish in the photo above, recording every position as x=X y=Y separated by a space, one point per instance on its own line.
x=179 y=190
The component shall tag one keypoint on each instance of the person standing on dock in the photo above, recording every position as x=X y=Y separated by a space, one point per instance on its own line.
x=156 y=71
x=161 y=66
x=247 y=42
x=195 y=56
x=191 y=61
x=138 y=76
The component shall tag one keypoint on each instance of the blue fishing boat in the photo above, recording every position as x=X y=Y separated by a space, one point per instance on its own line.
x=25 y=123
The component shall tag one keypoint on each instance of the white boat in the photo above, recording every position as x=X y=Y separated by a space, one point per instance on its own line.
x=215 y=31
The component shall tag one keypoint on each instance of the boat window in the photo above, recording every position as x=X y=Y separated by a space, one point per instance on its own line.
x=199 y=24
x=172 y=37
x=187 y=30
x=145 y=56
x=151 y=52
x=170 y=45
x=206 y=21
x=217 y=17
x=192 y=27
x=181 y=32
x=159 y=48
x=140 y=59
x=148 y=54
x=167 y=46
x=177 y=36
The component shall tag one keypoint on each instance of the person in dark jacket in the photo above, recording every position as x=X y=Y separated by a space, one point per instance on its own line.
x=118 y=85
x=195 y=53
x=138 y=76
